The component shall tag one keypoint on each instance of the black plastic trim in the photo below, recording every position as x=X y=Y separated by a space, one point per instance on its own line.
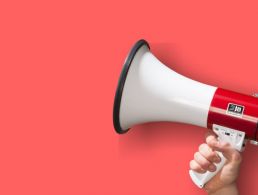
x=121 y=83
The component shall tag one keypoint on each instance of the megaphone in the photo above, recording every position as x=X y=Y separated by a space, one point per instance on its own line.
x=149 y=91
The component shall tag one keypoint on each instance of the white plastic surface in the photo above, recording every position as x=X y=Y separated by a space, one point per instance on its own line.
x=154 y=92
x=201 y=179
x=235 y=138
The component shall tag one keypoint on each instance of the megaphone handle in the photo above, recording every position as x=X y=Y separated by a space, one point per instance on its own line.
x=234 y=137
x=200 y=179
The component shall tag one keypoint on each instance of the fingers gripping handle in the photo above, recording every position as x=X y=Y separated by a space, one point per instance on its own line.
x=201 y=179
x=232 y=136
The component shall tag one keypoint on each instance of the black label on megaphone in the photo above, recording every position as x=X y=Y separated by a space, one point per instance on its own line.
x=236 y=110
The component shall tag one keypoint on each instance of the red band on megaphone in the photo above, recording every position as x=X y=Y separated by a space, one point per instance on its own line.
x=234 y=110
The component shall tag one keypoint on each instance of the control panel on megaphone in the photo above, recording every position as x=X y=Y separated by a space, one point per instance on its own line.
x=149 y=91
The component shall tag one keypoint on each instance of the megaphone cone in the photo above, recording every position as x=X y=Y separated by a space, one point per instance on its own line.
x=149 y=91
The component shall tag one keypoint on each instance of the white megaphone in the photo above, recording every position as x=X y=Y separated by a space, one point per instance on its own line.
x=149 y=91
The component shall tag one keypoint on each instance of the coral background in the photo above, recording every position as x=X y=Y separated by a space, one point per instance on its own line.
x=59 y=66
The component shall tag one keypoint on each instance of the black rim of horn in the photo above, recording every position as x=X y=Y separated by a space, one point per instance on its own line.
x=121 y=83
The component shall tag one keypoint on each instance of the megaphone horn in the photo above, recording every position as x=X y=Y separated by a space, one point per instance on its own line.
x=149 y=91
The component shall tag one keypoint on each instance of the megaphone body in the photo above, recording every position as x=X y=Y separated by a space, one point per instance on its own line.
x=149 y=91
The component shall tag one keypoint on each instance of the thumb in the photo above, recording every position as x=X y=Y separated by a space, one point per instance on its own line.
x=225 y=148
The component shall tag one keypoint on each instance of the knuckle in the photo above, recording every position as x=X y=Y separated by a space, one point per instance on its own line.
x=202 y=146
x=202 y=161
x=192 y=164
x=196 y=167
x=209 y=140
x=207 y=153
x=236 y=156
x=196 y=155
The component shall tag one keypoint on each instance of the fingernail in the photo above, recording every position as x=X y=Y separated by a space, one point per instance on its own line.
x=216 y=159
x=212 y=168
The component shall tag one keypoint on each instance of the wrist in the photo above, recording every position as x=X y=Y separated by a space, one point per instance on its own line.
x=229 y=190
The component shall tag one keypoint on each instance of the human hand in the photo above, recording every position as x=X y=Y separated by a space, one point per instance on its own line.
x=206 y=158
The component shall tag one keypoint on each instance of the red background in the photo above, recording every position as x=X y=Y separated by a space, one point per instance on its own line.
x=59 y=66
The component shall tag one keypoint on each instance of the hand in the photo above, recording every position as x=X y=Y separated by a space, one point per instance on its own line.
x=206 y=158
